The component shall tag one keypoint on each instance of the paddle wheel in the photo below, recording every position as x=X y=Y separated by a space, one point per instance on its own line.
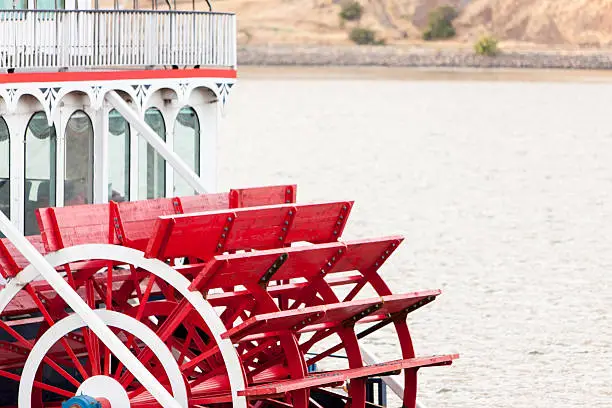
x=120 y=287
x=212 y=298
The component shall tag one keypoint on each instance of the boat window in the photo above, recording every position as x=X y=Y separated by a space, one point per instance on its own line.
x=119 y=157
x=40 y=161
x=50 y=4
x=187 y=147
x=78 y=177
x=152 y=167
x=13 y=4
x=5 y=170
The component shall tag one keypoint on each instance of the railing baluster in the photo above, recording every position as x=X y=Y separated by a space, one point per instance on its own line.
x=127 y=41
x=101 y=38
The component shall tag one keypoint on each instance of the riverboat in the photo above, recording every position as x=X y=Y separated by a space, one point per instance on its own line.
x=128 y=280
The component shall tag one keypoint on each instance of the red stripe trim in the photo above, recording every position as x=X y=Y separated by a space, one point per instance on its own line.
x=116 y=75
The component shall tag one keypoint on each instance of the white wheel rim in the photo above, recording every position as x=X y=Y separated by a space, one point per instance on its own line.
x=113 y=319
x=159 y=269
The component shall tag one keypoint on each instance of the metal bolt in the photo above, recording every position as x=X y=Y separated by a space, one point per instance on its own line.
x=344 y=207
x=335 y=232
x=229 y=219
x=290 y=212
x=222 y=235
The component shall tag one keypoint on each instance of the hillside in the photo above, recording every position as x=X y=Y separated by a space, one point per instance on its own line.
x=576 y=22
x=538 y=22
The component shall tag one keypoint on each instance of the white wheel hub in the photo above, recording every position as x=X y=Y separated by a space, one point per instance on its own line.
x=101 y=386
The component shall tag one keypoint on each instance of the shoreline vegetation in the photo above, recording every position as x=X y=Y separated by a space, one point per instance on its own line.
x=421 y=57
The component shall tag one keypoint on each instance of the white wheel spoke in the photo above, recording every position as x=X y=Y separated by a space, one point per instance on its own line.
x=92 y=321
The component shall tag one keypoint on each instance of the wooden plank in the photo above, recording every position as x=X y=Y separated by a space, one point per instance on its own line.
x=229 y=298
x=11 y=260
x=327 y=316
x=138 y=218
x=204 y=202
x=301 y=262
x=260 y=196
x=205 y=234
x=340 y=376
x=84 y=224
x=46 y=226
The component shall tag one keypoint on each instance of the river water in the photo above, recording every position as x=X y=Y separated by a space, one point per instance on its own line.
x=502 y=187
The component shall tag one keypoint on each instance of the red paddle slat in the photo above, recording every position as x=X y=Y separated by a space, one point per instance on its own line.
x=205 y=234
x=299 y=262
x=76 y=225
x=259 y=196
x=11 y=260
x=132 y=223
x=338 y=377
x=336 y=313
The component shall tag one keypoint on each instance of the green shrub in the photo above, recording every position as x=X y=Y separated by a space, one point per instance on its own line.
x=486 y=46
x=351 y=11
x=440 y=23
x=364 y=36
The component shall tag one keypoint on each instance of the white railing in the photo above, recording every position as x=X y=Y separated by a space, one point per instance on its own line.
x=40 y=39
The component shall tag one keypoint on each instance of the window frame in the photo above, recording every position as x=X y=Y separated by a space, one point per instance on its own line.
x=197 y=151
x=90 y=176
x=53 y=179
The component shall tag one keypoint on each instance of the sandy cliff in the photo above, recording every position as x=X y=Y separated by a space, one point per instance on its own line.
x=568 y=22
x=576 y=22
